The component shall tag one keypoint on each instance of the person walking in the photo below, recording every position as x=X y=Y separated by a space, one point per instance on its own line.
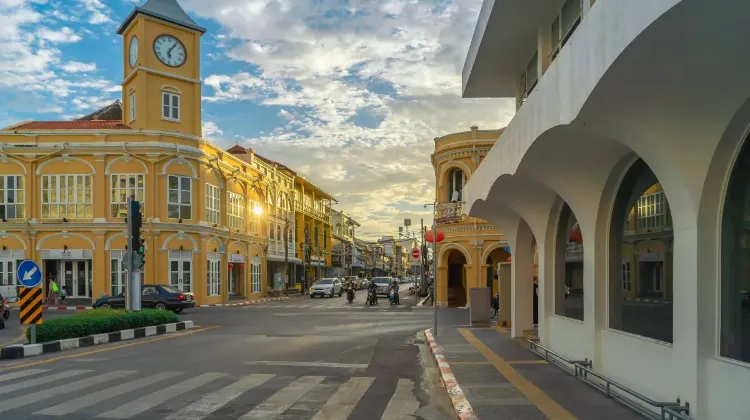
x=52 y=290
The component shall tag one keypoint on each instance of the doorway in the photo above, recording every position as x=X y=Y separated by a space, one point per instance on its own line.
x=456 y=287
x=73 y=276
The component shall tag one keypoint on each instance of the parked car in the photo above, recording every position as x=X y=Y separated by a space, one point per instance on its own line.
x=326 y=287
x=154 y=296
x=382 y=283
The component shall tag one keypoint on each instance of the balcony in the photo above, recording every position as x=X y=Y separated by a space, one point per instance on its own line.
x=449 y=213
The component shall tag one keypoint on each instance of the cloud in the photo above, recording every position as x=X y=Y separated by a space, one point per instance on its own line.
x=210 y=129
x=330 y=65
x=78 y=67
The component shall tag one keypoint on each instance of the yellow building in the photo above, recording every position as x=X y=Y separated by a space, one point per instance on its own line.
x=314 y=214
x=206 y=212
x=473 y=251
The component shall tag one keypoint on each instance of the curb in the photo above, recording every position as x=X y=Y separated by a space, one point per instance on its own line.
x=213 y=305
x=461 y=404
x=22 y=351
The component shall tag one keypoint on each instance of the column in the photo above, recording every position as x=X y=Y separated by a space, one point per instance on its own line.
x=100 y=189
x=522 y=284
x=100 y=269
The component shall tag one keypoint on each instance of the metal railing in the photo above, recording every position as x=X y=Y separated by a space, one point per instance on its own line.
x=582 y=369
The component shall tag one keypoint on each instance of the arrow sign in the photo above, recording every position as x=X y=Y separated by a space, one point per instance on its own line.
x=28 y=274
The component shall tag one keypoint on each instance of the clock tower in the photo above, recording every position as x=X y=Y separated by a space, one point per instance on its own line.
x=161 y=88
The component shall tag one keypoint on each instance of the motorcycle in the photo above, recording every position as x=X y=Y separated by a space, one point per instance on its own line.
x=5 y=309
x=393 y=297
x=412 y=290
x=372 y=298
x=350 y=295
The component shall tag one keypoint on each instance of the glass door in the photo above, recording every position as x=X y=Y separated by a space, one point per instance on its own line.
x=82 y=279
x=180 y=270
x=67 y=278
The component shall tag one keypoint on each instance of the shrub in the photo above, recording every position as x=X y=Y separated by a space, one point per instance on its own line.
x=99 y=321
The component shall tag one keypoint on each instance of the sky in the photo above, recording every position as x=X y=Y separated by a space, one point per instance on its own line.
x=350 y=93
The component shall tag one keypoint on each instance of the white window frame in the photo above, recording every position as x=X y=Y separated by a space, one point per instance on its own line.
x=529 y=79
x=562 y=37
x=213 y=274
x=181 y=257
x=180 y=194
x=256 y=275
x=254 y=217
x=170 y=107
x=119 y=275
x=8 y=266
x=62 y=196
x=652 y=211
x=131 y=98
x=213 y=204
x=626 y=275
x=118 y=201
x=18 y=205
x=235 y=211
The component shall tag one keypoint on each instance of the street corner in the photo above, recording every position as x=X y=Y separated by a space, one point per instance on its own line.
x=459 y=401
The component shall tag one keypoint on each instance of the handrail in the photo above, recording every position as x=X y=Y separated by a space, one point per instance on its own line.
x=670 y=410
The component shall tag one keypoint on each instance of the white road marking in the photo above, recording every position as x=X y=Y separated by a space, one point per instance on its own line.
x=152 y=400
x=41 y=381
x=274 y=406
x=310 y=364
x=35 y=397
x=21 y=374
x=403 y=403
x=97 y=397
x=342 y=403
x=218 y=399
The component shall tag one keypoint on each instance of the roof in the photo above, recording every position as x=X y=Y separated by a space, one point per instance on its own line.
x=167 y=10
x=72 y=125
x=110 y=112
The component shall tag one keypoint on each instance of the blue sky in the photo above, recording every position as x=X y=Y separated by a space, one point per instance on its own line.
x=348 y=92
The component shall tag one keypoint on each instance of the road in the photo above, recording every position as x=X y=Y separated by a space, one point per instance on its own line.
x=319 y=359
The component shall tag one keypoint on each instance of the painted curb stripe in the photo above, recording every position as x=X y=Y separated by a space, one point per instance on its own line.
x=461 y=404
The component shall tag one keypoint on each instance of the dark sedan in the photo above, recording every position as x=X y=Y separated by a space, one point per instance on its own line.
x=152 y=296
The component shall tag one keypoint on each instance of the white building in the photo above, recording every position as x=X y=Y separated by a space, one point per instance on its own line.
x=632 y=115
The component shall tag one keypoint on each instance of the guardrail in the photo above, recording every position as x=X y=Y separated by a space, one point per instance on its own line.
x=582 y=369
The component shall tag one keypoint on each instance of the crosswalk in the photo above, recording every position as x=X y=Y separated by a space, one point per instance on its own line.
x=178 y=395
x=335 y=304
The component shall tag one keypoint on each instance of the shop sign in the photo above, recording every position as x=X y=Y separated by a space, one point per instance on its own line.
x=236 y=258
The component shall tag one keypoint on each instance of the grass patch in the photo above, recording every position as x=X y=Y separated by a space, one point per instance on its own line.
x=99 y=321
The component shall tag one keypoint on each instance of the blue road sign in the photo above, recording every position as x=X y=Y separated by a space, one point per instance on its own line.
x=29 y=274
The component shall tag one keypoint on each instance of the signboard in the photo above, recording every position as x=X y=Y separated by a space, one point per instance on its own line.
x=415 y=253
x=236 y=258
x=66 y=254
x=29 y=274
x=31 y=306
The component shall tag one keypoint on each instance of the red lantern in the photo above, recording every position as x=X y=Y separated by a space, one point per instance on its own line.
x=509 y=259
x=241 y=265
x=428 y=236
x=231 y=265
x=576 y=236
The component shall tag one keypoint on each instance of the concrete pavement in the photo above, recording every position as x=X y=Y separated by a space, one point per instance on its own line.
x=287 y=361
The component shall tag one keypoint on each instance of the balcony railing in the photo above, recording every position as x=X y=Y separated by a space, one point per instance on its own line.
x=449 y=213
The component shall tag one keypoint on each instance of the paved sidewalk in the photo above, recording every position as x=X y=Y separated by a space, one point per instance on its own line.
x=491 y=376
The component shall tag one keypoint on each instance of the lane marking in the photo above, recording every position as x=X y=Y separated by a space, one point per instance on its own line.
x=21 y=374
x=214 y=401
x=279 y=402
x=122 y=346
x=527 y=362
x=536 y=396
x=41 y=381
x=150 y=401
x=88 y=400
x=342 y=403
x=470 y=363
x=310 y=364
x=403 y=403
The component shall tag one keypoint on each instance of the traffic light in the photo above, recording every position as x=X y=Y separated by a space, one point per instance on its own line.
x=136 y=220
x=142 y=251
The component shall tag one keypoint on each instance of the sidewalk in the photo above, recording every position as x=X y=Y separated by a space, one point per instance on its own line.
x=491 y=376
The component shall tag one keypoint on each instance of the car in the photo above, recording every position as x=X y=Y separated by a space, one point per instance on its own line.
x=326 y=287
x=155 y=296
x=383 y=284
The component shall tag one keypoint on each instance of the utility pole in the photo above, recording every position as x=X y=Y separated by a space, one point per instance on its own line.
x=423 y=249
x=286 y=257
x=133 y=258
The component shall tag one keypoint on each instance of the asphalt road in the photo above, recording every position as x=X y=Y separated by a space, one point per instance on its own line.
x=12 y=332
x=319 y=359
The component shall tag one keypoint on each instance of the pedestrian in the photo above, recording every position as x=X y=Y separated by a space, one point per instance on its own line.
x=495 y=305
x=52 y=291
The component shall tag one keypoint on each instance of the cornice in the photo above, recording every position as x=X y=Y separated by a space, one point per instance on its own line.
x=453 y=154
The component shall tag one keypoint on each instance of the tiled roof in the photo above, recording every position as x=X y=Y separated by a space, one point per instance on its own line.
x=168 y=10
x=73 y=125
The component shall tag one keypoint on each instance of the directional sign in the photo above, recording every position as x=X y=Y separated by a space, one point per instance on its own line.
x=415 y=253
x=29 y=274
x=31 y=306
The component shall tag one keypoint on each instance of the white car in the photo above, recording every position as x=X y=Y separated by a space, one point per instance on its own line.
x=326 y=287
x=383 y=284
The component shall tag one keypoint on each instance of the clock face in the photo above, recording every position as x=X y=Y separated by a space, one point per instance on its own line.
x=169 y=50
x=133 y=51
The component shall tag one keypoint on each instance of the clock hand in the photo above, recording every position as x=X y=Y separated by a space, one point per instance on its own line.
x=169 y=53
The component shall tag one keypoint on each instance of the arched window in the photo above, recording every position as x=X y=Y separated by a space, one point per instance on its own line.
x=455 y=183
x=568 y=266
x=735 y=262
x=641 y=244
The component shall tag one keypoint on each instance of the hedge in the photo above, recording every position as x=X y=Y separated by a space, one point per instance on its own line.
x=99 y=321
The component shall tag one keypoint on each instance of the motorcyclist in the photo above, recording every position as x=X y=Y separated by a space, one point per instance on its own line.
x=350 y=290
x=372 y=289
x=394 y=287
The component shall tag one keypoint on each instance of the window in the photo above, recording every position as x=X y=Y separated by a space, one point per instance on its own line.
x=651 y=211
x=565 y=24
x=181 y=270
x=118 y=276
x=271 y=231
x=255 y=275
x=123 y=186
x=214 y=274
x=170 y=106
x=8 y=271
x=213 y=204
x=456 y=181
x=236 y=204
x=569 y=266
x=12 y=197
x=132 y=107
x=66 y=196
x=626 y=274
x=529 y=78
x=179 y=204
x=254 y=217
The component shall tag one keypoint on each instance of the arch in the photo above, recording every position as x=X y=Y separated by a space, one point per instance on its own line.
x=8 y=159
x=182 y=161
x=259 y=247
x=108 y=243
x=218 y=175
x=65 y=158
x=65 y=234
x=172 y=89
x=126 y=159
x=214 y=239
x=4 y=235
x=496 y=245
x=450 y=165
x=451 y=246
x=240 y=244
x=181 y=236
x=131 y=89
